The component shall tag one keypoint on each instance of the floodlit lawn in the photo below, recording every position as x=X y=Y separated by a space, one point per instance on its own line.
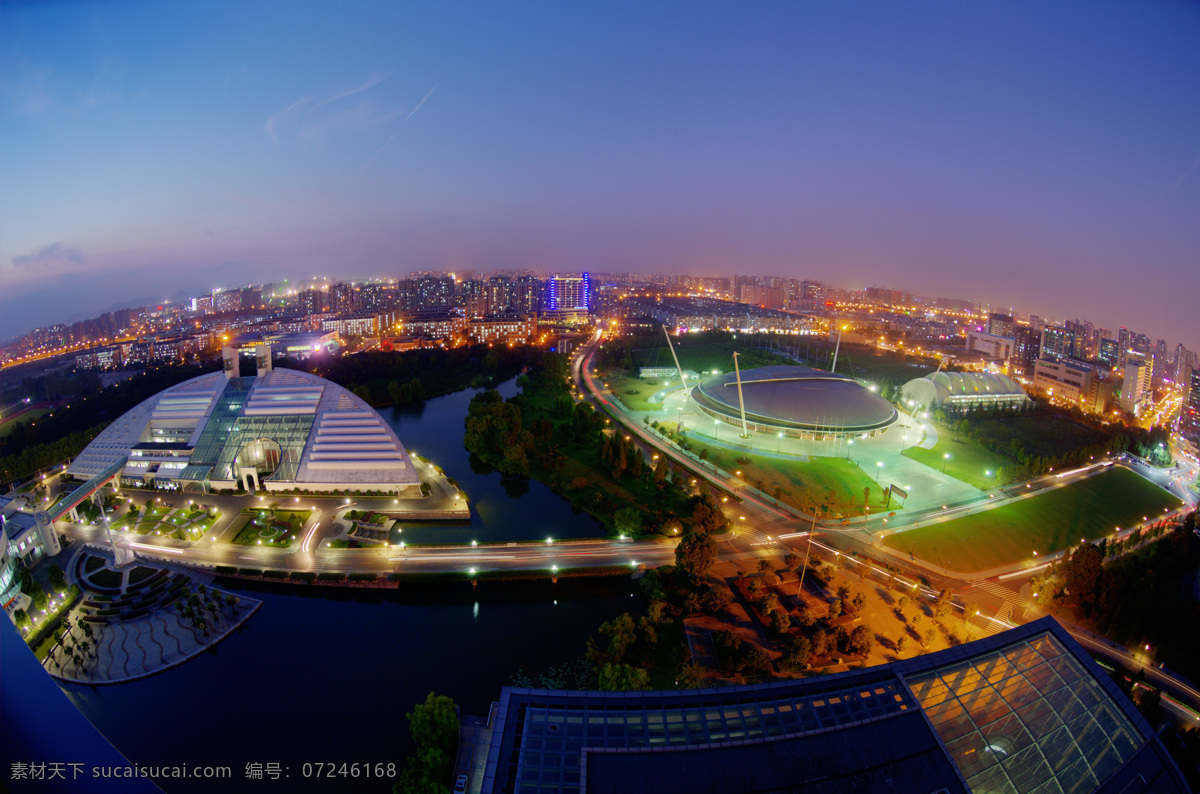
x=968 y=461
x=28 y=416
x=1045 y=523
x=635 y=392
x=256 y=527
x=803 y=483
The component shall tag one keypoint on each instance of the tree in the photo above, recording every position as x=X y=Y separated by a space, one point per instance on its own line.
x=861 y=641
x=780 y=622
x=860 y=601
x=930 y=636
x=628 y=521
x=942 y=606
x=515 y=462
x=695 y=555
x=835 y=609
x=434 y=728
x=796 y=651
x=902 y=644
x=791 y=561
x=843 y=592
x=58 y=579
x=623 y=678
x=38 y=594
x=691 y=676
x=621 y=633
x=660 y=471
x=1081 y=574
x=22 y=618
x=716 y=598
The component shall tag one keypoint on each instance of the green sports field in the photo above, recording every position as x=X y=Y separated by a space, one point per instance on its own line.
x=1052 y=521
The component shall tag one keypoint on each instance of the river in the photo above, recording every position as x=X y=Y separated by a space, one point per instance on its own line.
x=325 y=675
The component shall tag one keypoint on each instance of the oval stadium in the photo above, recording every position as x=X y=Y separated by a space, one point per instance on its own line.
x=798 y=402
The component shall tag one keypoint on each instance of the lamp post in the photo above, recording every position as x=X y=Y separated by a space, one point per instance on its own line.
x=717 y=429
x=945 y=459
x=878 y=471
x=778 y=442
x=849 y=444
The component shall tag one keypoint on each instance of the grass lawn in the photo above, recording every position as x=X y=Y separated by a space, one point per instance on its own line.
x=635 y=392
x=968 y=461
x=1046 y=523
x=803 y=483
x=27 y=416
x=280 y=531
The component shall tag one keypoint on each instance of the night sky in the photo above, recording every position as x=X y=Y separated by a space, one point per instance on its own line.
x=1038 y=155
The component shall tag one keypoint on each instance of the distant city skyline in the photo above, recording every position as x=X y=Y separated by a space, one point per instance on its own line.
x=1040 y=157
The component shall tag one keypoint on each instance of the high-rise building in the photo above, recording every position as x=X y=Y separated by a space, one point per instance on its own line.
x=1027 y=341
x=1059 y=342
x=1189 y=415
x=434 y=292
x=1135 y=391
x=1000 y=324
x=1110 y=352
x=569 y=292
x=501 y=295
x=472 y=294
x=528 y=295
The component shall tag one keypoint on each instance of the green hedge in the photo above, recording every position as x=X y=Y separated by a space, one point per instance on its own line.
x=302 y=576
x=250 y=572
x=275 y=574
x=331 y=577
x=226 y=570
x=364 y=577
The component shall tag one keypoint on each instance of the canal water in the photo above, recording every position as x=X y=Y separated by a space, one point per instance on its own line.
x=326 y=675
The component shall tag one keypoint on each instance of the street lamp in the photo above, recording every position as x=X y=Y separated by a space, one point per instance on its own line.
x=945 y=459
x=849 y=444
x=878 y=471
x=778 y=443
x=717 y=429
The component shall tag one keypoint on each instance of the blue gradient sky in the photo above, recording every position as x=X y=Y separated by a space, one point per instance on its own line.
x=1040 y=155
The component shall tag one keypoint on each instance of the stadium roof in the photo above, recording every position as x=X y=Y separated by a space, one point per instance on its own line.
x=957 y=387
x=797 y=397
x=1024 y=710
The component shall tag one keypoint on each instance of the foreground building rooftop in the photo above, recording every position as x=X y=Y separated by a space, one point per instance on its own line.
x=1023 y=711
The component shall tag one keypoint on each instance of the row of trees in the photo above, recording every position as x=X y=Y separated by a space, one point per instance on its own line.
x=1135 y=592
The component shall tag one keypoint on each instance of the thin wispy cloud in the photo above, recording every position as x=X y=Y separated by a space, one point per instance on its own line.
x=273 y=122
x=364 y=115
x=314 y=122
x=371 y=82
x=411 y=113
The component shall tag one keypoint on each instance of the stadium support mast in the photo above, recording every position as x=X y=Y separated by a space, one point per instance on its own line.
x=741 y=402
x=836 y=348
x=682 y=377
